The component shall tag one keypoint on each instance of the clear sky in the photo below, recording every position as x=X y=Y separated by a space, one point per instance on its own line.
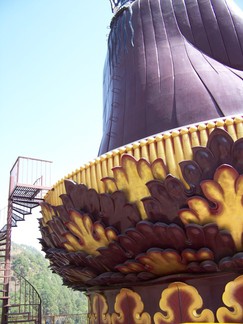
x=51 y=64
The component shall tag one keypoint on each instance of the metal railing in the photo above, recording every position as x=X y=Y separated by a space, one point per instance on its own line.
x=30 y=172
x=25 y=301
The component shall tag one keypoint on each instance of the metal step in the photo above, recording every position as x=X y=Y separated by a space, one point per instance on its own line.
x=3 y=230
x=17 y=218
x=22 y=211
x=24 y=203
x=19 y=314
x=2 y=236
x=25 y=192
x=13 y=223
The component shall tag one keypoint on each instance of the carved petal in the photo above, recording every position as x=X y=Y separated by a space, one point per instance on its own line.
x=180 y=303
x=129 y=309
x=161 y=262
x=99 y=310
x=47 y=213
x=159 y=169
x=131 y=177
x=85 y=235
x=238 y=155
x=226 y=191
x=233 y=298
x=220 y=143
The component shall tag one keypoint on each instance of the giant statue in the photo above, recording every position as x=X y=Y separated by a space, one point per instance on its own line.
x=152 y=229
x=170 y=64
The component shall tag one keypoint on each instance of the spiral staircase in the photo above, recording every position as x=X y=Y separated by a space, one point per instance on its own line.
x=29 y=181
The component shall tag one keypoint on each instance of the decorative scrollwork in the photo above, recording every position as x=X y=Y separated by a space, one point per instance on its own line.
x=129 y=309
x=226 y=192
x=180 y=303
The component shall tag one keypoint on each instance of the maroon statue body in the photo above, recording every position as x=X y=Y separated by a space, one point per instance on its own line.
x=170 y=63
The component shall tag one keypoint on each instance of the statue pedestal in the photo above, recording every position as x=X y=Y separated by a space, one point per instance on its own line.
x=192 y=299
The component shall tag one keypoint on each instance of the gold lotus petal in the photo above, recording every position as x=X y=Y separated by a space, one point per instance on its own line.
x=200 y=207
x=159 y=169
x=212 y=190
x=239 y=186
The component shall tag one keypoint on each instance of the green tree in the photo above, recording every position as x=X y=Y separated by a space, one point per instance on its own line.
x=56 y=298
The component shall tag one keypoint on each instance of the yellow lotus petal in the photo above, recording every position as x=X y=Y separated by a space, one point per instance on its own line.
x=212 y=190
x=200 y=207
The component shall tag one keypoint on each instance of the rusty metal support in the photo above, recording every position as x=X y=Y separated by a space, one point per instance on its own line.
x=7 y=268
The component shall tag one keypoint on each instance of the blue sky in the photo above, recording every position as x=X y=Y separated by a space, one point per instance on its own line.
x=51 y=64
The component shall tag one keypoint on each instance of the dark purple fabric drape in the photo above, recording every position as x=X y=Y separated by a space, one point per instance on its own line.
x=171 y=63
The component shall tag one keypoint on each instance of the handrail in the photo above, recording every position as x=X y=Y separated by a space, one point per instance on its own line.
x=24 y=299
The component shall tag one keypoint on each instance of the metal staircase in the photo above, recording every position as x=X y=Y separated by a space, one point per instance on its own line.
x=29 y=181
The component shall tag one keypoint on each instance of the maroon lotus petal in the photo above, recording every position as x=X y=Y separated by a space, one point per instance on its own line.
x=98 y=263
x=115 y=278
x=126 y=214
x=170 y=195
x=132 y=277
x=206 y=161
x=170 y=236
x=221 y=143
x=60 y=257
x=192 y=174
x=176 y=189
x=130 y=245
x=226 y=264
x=67 y=202
x=137 y=237
x=211 y=232
x=225 y=245
x=238 y=260
x=77 y=193
x=44 y=230
x=82 y=199
x=59 y=225
x=48 y=243
x=238 y=155
x=79 y=197
x=69 y=186
x=57 y=242
x=146 y=229
x=146 y=276
x=195 y=236
x=93 y=203
x=194 y=267
x=45 y=245
x=114 y=254
x=107 y=210
x=155 y=210
x=78 y=259
x=130 y=216
x=209 y=266
x=77 y=275
x=62 y=213
x=106 y=279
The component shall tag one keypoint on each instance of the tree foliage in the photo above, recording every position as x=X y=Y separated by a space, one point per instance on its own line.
x=56 y=298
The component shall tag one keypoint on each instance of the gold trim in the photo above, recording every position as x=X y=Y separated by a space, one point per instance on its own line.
x=129 y=306
x=173 y=147
x=231 y=298
x=171 y=301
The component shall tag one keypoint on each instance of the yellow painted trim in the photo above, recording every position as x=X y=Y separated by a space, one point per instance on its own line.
x=172 y=146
